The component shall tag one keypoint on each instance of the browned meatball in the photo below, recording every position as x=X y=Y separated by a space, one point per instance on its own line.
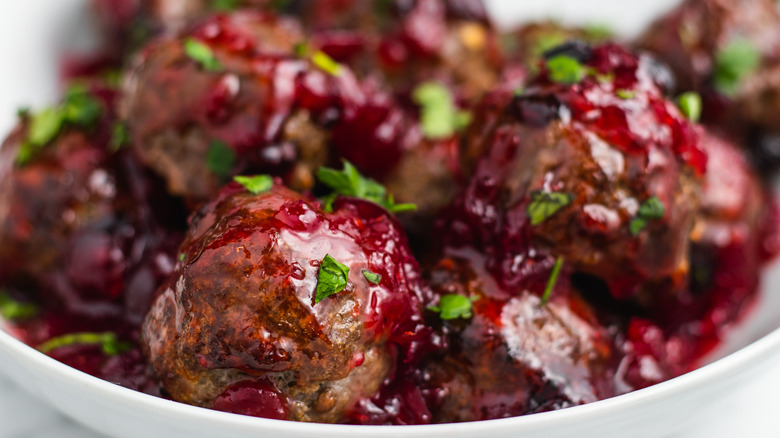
x=515 y=353
x=82 y=227
x=725 y=49
x=244 y=307
x=197 y=124
x=602 y=173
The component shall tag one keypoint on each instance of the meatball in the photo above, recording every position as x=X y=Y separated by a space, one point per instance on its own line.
x=729 y=50
x=196 y=124
x=595 y=168
x=253 y=306
x=516 y=352
x=733 y=237
x=82 y=227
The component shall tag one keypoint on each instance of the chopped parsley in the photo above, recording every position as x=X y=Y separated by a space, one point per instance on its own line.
x=652 y=209
x=120 y=137
x=182 y=257
x=326 y=63
x=107 y=341
x=79 y=108
x=202 y=54
x=690 y=105
x=598 y=31
x=626 y=94
x=45 y=126
x=440 y=118
x=12 y=310
x=349 y=182
x=552 y=281
x=545 y=204
x=372 y=277
x=566 y=70
x=220 y=158
x=255 y=184
x=733 y=63
x=225 y=5
x=453 y=306
x=331 y=279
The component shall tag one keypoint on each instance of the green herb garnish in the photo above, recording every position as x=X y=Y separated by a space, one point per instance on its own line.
x=349 y=182
x=225 y=5
x=331 y=279
x=12 y=310
x=453 y=306
x=372 y=277
x=566 y=70
x=79 y=108
x=120 y=137
x=220 y=158
x=255 y=184
x=107 y=341
x=545 y=204
x=598 y=31
x=733 y=63
x=691 y=106
x=626 y=94
x=202 y=54
x=45 y=126
x=552 y=281
x=652 y=209
x=440 y=118
x=326 y=63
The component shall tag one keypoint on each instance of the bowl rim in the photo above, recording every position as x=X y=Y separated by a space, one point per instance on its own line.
x=733 y=364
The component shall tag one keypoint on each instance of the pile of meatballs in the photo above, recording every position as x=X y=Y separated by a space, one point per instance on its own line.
x=389 y=212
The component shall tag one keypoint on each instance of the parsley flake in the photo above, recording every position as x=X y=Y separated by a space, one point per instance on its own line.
x=349 y=182
x=107 y=341
x=552 y=281
x=652 y=209
x=120 y=137
x=545 y=204
x=202 y=54
x=220 y=159
x=331 y=279
x=255 y=184
x=45 y=126
x=79 y=108
x=453 y=306
x=372 y=277
x=12 y=310
x=625 y=94
x=691 y=106
x=440 y=118
x=566 y=70
x=326 y=63
x=733 y=63
x=225 y=5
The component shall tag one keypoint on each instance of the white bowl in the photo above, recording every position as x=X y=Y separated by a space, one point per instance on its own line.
x=34 y=32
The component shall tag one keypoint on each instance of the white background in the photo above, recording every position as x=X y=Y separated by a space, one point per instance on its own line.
x=34 y=32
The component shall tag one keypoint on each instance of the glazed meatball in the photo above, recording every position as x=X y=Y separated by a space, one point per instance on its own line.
x=243 y=310
x=729 y=50
x=196 y=124
x=598 y=169
x=516 y=352
x=732 y=239
x=83 y=228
